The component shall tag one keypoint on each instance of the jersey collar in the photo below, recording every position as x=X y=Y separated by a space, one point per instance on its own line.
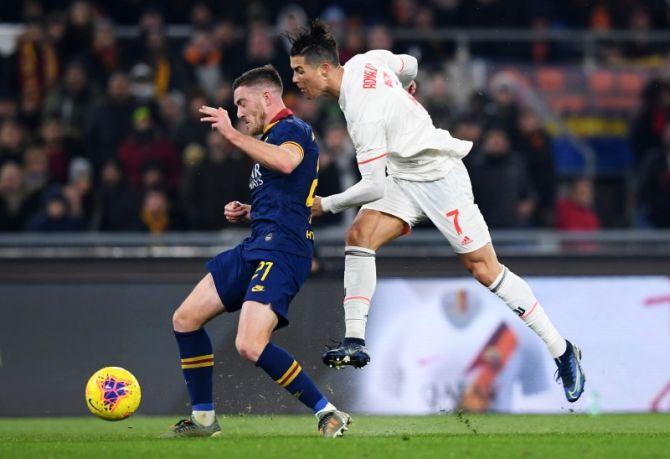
x=284 y=113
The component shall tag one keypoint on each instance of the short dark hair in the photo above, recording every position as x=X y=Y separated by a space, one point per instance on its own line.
x=266 y=74
x=316 y=44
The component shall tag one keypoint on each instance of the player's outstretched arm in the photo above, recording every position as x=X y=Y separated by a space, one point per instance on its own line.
x=281 y=158
x=370 y=188
x=237 y=212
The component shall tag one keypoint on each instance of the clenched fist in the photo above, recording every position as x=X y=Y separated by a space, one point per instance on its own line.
x=236 y=212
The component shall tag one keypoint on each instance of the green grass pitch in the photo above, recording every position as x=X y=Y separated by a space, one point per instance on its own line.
x=458 y=436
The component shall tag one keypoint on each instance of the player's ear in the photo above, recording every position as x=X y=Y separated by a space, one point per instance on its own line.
x=267 y=98
x=324 y=68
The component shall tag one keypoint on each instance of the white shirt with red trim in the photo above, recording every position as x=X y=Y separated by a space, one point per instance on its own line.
x=390 y=128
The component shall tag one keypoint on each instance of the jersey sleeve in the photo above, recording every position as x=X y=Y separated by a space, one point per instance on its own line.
x=287 y=133
x=403 y=65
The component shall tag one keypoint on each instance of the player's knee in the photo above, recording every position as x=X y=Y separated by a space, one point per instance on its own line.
x=484 y=273
x=184 y=322
x=356 y=236
x=249 y=349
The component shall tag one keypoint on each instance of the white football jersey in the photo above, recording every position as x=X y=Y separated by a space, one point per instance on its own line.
x=384 y=120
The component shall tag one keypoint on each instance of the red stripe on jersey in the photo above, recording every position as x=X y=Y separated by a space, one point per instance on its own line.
x=349 y=298
x=372 y=159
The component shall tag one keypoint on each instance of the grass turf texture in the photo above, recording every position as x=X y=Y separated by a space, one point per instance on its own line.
x=458 y=436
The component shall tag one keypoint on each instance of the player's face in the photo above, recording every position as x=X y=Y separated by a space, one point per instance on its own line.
x=249 y=103
x=310 y=79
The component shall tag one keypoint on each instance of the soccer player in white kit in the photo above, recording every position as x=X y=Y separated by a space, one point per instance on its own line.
x=392 y=132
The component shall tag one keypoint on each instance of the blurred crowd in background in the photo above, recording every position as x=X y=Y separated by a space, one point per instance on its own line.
x=100 y=130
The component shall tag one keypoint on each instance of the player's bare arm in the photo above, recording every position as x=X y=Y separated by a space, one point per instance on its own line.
x=317 y=209
x=281 y=158
x=237 y=212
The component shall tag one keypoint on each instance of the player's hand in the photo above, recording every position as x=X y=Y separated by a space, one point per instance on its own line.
x=411 y=87
x=237 y=212
x=317 y=210
x=219 y=119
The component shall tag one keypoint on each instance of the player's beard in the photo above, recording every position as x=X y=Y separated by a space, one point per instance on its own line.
x=257 y=121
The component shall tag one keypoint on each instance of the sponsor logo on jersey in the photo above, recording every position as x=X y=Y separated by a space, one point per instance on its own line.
x=258 y=288
x=256 y=178
x=466 y=240
x=369 y=77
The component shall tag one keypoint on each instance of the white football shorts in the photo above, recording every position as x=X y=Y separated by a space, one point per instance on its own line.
x=447 y=202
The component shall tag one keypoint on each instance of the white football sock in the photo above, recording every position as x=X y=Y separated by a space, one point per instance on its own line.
x=516 y=293
x=360 y=281
x=204 y=418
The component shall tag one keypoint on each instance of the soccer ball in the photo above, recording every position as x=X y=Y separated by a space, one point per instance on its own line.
x=113 y=393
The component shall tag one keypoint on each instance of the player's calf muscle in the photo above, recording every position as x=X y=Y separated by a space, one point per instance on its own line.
x=373 y=229
x=482 y=264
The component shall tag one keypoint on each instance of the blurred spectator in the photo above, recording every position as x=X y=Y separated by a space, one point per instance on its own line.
x=105 y=54
x=16 y=203
x=167 y=70
x=192 y=130
x=574 y=212
x=542 y=51
x=640 y=22
x=201 y=15
x=210 y=184
x=57 y=149
x=336 y=18
x=71 y=101
x=171 y=108
x=500 y=182
x=110 y=120
x=203 y=60
x=227 y=42
x=654 y=193
x=353 y=43
x=152 y=19
x=437 y=100
x=8 y=108
x=55 y=215
x=534 y=144
x=262 y=49
x=55 y=28
x=403 y=12
x=379 y=37
x=79 y=191
x=505 y=111
x=12 y=141
x=35 y=65
x=79 y=30
x=654 y=115
x=468 y=128
x=337 y=170
x=36 y=169
x=142 y=85
x=119 y=203
x=146 y=144
x=428 y=51
x=289 y=21
x=156 y=214
x=448 y=12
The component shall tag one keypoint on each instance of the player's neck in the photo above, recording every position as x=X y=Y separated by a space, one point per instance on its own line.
x=272 y=113
x=335 y=82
